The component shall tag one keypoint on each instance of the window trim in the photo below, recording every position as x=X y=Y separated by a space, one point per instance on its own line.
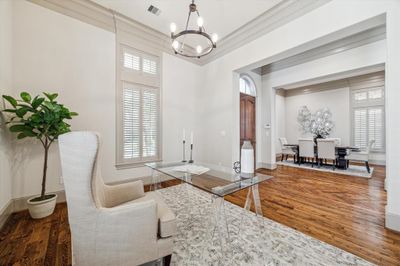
x=368 y=104
x=143 y=80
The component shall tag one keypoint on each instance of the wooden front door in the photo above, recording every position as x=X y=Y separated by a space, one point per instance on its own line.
x=248 y=120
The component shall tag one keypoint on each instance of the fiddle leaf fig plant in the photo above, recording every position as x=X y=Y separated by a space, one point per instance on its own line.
x=40 y=117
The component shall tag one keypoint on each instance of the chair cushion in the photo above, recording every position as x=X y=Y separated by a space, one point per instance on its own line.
x=166 y=218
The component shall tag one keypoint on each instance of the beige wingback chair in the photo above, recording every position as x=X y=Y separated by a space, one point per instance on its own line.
x=111 y=225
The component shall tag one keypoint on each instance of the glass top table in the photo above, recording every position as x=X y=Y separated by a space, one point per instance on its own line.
x=217 y=184
x=212 y=181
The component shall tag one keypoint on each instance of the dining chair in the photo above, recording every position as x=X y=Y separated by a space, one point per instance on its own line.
x=338 y=141
x=111 y=224
x=361 y=156
x=286 y=151
x=306 y=150
x=327 y=150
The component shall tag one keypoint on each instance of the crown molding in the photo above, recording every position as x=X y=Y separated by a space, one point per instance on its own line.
x=273 y=18
x=99 y=16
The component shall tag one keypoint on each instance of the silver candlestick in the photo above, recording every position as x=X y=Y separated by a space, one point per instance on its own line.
x=191 y=154
x=183 y=152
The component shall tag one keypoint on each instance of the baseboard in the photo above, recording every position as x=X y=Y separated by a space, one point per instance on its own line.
x=392 y=221
x=5 y=212
x=270 y=166
x=20 y=203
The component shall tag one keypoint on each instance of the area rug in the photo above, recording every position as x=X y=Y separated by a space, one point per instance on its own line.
x=353 y=170
x=276 y=244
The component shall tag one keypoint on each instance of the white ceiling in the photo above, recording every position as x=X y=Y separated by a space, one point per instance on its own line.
x=220 y=16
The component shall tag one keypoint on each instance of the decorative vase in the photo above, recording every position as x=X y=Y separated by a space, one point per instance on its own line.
x=41 y=208
x=247 y=160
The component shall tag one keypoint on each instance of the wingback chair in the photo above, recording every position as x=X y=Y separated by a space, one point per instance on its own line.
x=111 y=225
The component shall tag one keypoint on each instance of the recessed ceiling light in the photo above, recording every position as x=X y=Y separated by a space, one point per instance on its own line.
x=152 y=9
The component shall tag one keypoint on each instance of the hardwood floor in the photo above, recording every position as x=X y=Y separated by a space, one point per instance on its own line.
x=347 y=212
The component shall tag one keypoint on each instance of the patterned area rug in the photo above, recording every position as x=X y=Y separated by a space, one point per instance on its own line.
x=353 y=170
x=272 y=244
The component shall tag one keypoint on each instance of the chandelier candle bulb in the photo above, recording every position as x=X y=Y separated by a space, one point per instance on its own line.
x=175 y=44
x=214 y=38
x=172 y=27
x=200 y=22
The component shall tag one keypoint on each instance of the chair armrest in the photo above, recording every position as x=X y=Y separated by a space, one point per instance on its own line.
x=124 y=229
x=121 y=193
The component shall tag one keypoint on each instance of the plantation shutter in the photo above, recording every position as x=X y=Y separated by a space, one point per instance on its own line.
x=360 y=128
x=375 y=124
x=368 y=103
x=139 y=126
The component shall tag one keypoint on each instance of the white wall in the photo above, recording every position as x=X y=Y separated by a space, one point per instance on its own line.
x=78 y=62
x=336 y=100
x=5 y=88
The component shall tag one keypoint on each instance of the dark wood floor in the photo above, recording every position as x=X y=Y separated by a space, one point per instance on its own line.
x=347 y=212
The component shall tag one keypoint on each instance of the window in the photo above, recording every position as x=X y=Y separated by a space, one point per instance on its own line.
x=368 y=117
x=246 y=86
x=138 y=108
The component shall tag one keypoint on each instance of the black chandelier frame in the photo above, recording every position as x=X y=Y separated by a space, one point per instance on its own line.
x=201 y=31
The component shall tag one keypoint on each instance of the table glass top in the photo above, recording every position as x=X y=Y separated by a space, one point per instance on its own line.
x=213 y=181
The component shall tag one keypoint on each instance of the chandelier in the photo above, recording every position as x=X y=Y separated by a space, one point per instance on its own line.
x=182 y=42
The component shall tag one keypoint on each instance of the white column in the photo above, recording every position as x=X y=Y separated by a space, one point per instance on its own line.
x=392 y=117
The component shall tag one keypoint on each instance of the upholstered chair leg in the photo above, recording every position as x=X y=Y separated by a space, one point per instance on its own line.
x=367 y=166
x=282 y=157
x=167 y=260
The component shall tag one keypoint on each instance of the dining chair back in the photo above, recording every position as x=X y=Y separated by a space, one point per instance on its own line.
x=326 y=149
x=306 y=150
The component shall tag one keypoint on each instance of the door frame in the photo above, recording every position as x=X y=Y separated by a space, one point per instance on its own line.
x=256 y=80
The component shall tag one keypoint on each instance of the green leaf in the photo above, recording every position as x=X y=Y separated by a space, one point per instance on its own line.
x=73 y=114
x=51 y=97
x=29 y=133
x=9 y=110
x=11 y=100
x=21 y=112
x=19 y=128
x=26 y=97
x=37 y=102
x=21 y=136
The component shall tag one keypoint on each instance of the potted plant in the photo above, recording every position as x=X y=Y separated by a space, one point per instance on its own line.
x=41 y=118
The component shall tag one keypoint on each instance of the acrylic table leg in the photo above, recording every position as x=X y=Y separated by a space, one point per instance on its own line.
x=218 y=224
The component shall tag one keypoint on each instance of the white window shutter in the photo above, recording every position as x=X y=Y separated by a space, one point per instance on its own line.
x=149 y=66
x=131 y=122
x=375 y=124
x=150 y=123
x=131 y=61
x=360 y=128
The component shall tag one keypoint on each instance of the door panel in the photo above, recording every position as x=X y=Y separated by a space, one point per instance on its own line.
x=248 y=120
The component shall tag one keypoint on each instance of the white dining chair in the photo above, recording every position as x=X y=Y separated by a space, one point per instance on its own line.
x=362 y=156
x=327 y=151
x=306 y=150
x=286 y=151
x=338 y=141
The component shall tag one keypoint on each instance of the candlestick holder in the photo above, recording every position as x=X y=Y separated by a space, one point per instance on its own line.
x=183 y=152
x=191 y=154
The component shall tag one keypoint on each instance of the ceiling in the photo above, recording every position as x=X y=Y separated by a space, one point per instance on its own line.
x=220 y=16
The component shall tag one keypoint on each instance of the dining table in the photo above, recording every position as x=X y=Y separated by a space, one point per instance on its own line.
x=341 y=150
